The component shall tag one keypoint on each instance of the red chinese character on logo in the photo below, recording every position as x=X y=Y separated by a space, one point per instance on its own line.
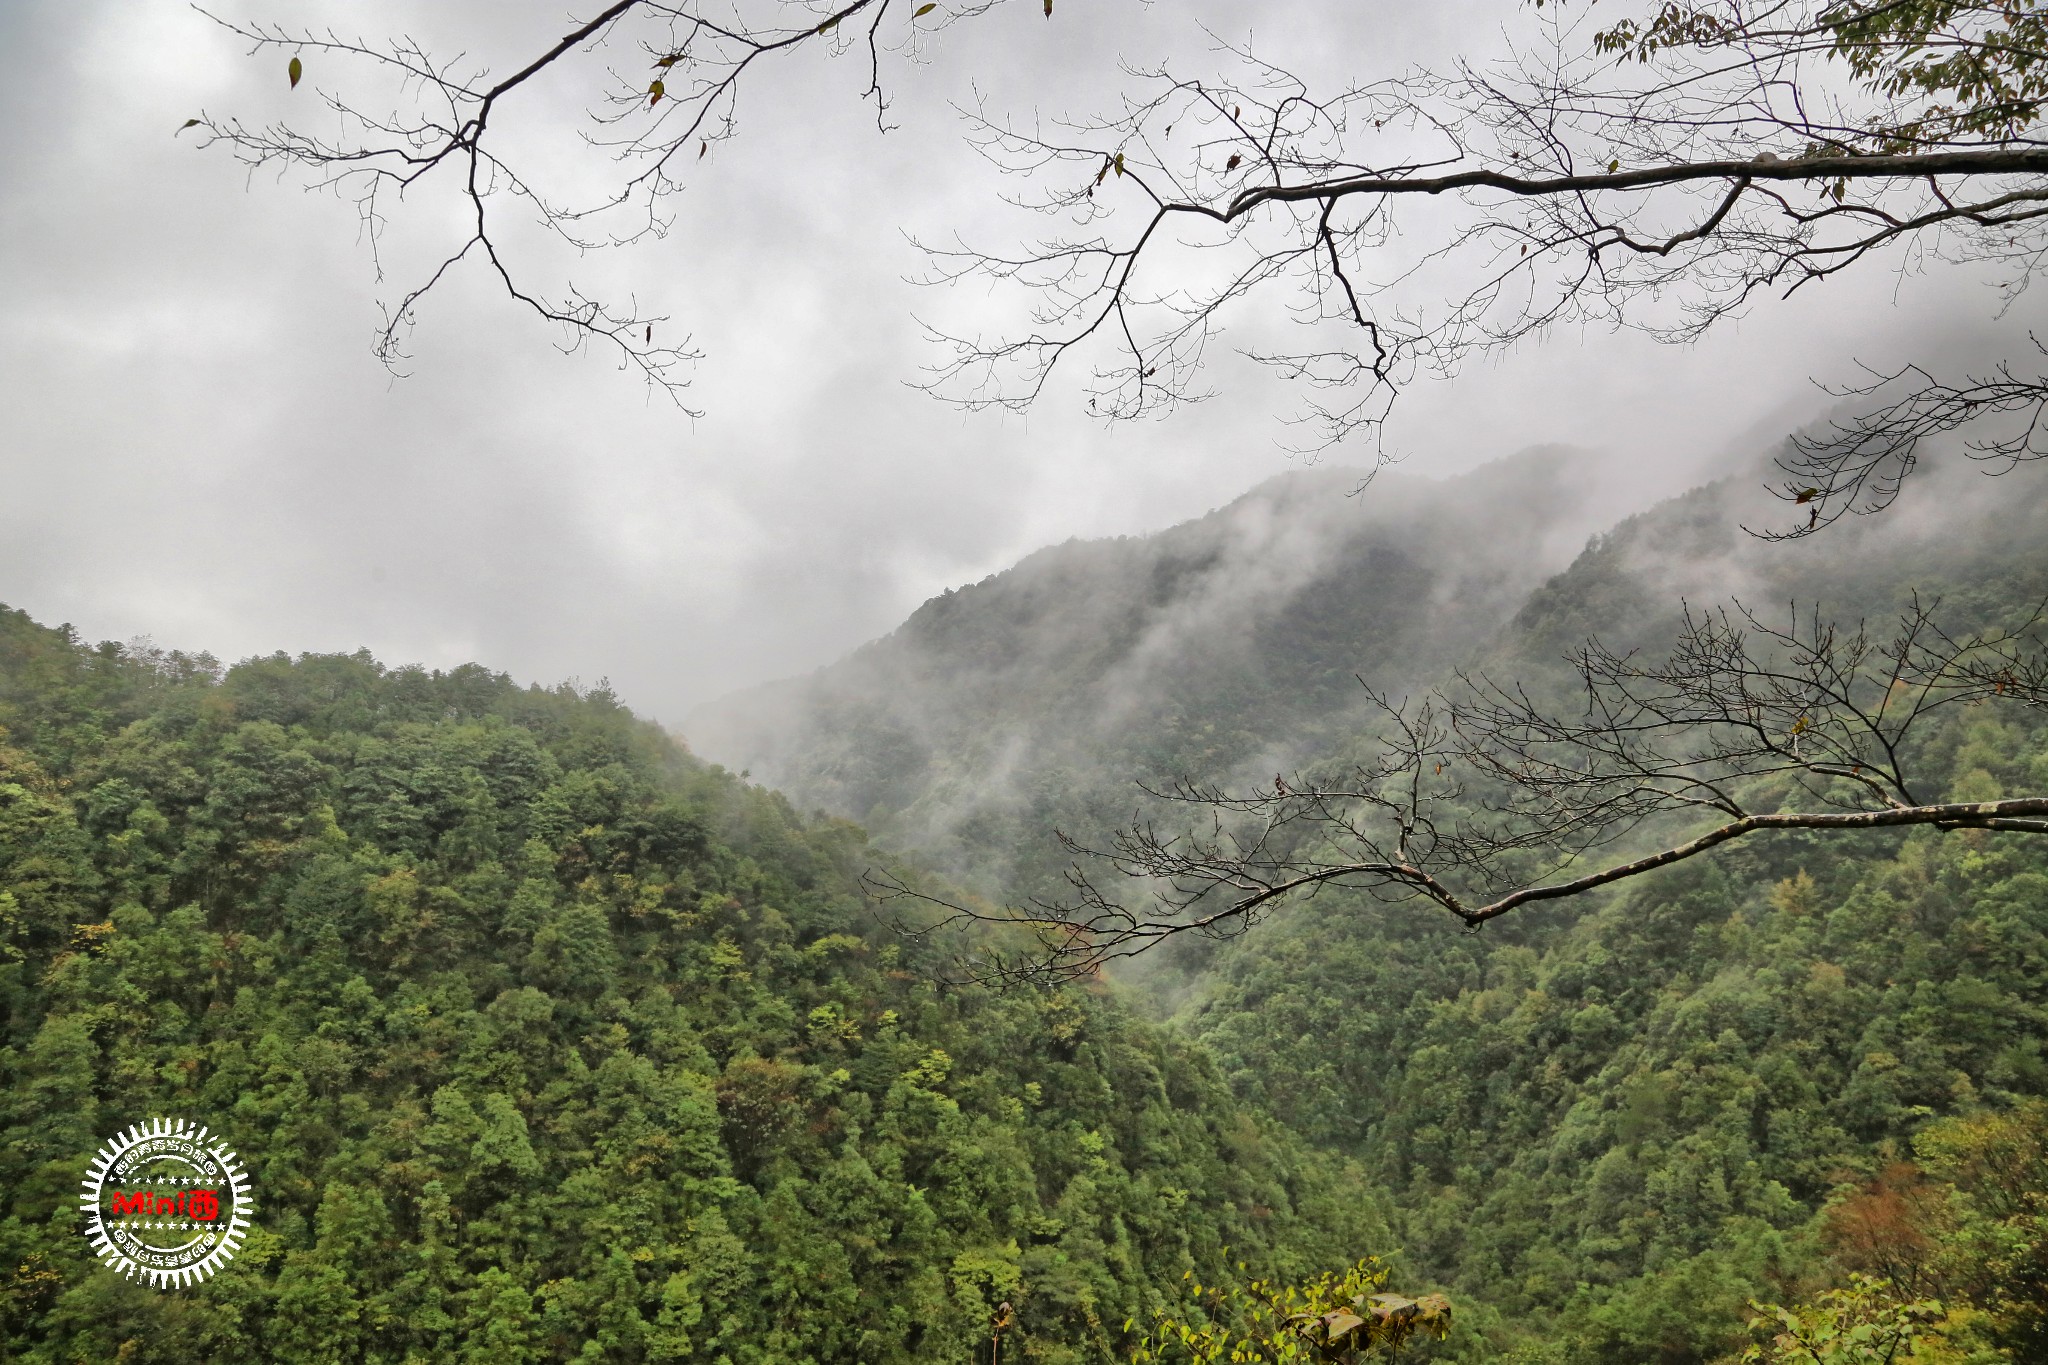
x=203 y=1205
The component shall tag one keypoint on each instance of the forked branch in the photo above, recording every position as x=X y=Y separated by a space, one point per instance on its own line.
x=1482 y=799
x=1661 y=172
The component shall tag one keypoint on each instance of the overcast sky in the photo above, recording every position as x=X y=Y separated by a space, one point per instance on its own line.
x=197 y=444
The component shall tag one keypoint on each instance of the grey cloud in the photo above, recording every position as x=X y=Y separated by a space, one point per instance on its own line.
x=199 y=447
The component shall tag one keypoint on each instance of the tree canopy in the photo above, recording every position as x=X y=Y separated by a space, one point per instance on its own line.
x=544 y=1041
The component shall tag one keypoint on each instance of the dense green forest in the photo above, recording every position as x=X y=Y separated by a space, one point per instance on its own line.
x=1607 y=1126
x=544 y=1040
x=1627 y=1117
x=1625 y=1126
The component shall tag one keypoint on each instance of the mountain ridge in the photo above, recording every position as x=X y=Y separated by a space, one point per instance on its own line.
x=991 y=703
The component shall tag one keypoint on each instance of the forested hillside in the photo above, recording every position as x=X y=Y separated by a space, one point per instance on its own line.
x=1609 y=1125
x=545 y=1041
x=1625 y=1118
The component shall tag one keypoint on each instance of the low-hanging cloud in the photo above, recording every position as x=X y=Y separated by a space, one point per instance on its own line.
x=199 y=447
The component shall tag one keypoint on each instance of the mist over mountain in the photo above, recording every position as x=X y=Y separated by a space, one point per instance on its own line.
x=1228 y=645
x=1606 y=1126
x=1233 y=646
x=1632 y=1115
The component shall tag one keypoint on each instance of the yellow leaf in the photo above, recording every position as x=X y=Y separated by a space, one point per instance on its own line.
x=655 y=92
x=295 y=71
x=1614 y=166
x=1119 y=163
x=923 y=10
x=829 y=24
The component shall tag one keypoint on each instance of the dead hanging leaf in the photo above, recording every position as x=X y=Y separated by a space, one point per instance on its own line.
x=1807 y=495
x=924 y=9
x=1339 y=1325
x=829 y=24
x=1231 y=164
x=666 y=62
x=1236 y=109
x=295 y=70
x=648 y=340
x=1841 y=188
x=1048 y=9
x=1103 y=174
x=702 y=148
x=1119 y=163
x=1802 y=725
x=654 y=93
x=188 y=123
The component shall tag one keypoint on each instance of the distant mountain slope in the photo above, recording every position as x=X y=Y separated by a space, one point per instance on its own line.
x=1230 y=643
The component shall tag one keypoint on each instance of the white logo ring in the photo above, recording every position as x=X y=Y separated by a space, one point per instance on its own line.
x=189 y=1220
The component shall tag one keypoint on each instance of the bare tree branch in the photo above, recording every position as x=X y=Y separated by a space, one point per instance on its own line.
x=1860 y=464
x=1722 y=157
x=1482 y=800
x=1660 y=172
x=1657 y=172
x=697 y=57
